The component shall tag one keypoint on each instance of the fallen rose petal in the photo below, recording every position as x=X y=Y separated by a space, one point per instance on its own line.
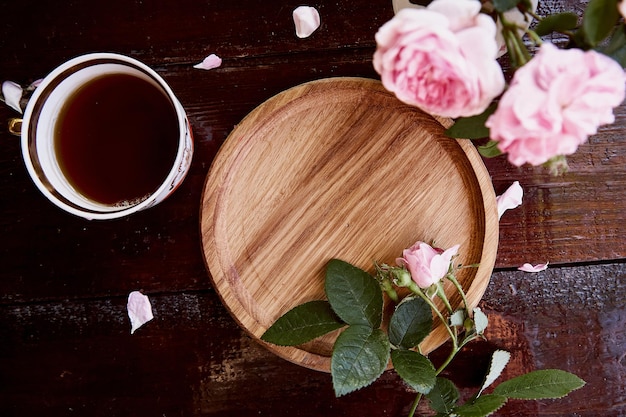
x=533 y=268
x=210 y=62
x=34 y=85
x=307 y=20
x=621 y=6
x=510 y=199
x=12 y=93
x=139 y=310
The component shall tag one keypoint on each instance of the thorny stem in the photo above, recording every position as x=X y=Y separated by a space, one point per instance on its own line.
x=418 y=398
x=442 y=295
x=456 y=347
x=453 y=279
x=415 y=289
x=513 y=41
x=533 y=35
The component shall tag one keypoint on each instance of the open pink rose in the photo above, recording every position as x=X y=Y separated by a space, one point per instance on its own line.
x=555 y=102
x=441 y=59
x=426 y=264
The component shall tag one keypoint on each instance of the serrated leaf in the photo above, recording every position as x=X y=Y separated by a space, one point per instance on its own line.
x=472 y=127
x=616 y=48
x=443 y=396
x=480 y=320
x=481 y=406
x=302 y=324
x=360 y=356
x=354 y=295
x=505 y=5
x=489 y=149
x=547 y=383
x=410 y=323
x=499 y=360
x=599 y=19
x=415 y=369
x=556 y=23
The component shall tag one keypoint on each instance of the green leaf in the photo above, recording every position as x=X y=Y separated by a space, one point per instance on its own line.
x=410 y=323
x=499 y=360
x=616 y=48
x=547 y=383
x=481 y=406
x=354 y=295
x=559 y=22
x=505 y=5
x=472 y=127
x=360 y=356
x=457 y=318
x=443 y=396
x=599 y=20
x=303 y=323
x=415 y=369
x=489 y=149
x=480 y=320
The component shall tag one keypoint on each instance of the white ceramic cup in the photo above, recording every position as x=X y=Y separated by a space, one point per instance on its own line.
x=38 y=126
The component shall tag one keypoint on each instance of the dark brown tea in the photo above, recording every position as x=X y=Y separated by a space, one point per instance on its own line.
x=116 y=139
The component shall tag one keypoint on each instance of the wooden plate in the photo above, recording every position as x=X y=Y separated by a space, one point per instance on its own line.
x=337 y=168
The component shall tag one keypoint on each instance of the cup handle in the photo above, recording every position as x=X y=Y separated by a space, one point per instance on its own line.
x=15 y=126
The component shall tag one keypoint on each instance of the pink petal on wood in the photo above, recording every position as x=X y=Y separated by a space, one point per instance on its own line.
x=533 y=268
x=139 y=310
x=510 y=199
x=12 y=93
x=210 y=62
x=307 y=20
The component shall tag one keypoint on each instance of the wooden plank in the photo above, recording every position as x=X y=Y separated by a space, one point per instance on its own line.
x=192 y=359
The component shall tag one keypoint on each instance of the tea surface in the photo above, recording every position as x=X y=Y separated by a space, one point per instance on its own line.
x=116 y=139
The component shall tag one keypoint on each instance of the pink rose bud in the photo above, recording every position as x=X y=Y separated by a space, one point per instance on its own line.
x=426 y=264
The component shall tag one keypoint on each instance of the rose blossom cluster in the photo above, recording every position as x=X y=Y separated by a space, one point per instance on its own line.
x=442 y=59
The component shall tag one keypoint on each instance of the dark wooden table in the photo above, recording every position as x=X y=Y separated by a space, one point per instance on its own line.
x=65 y=343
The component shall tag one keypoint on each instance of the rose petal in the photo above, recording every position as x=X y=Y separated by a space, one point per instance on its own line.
x=622 y=8
x=34 y=85
x=139 y=310
x=306 y=19
x=510 y=199
x=12 y=93
x=533 y=268
x=210 y=62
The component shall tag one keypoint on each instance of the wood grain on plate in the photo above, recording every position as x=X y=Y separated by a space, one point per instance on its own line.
x=337 y=168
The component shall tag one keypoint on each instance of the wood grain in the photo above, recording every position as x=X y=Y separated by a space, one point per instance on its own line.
x=193 y=360
x=66 y=346
x=338 y=168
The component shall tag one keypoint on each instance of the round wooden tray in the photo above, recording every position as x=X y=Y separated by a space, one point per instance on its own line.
x=337 y=168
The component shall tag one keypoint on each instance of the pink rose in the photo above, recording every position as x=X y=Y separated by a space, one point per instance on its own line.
x=621 y=6
x=426 y=264
x=555 y=102
x=441 y=59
